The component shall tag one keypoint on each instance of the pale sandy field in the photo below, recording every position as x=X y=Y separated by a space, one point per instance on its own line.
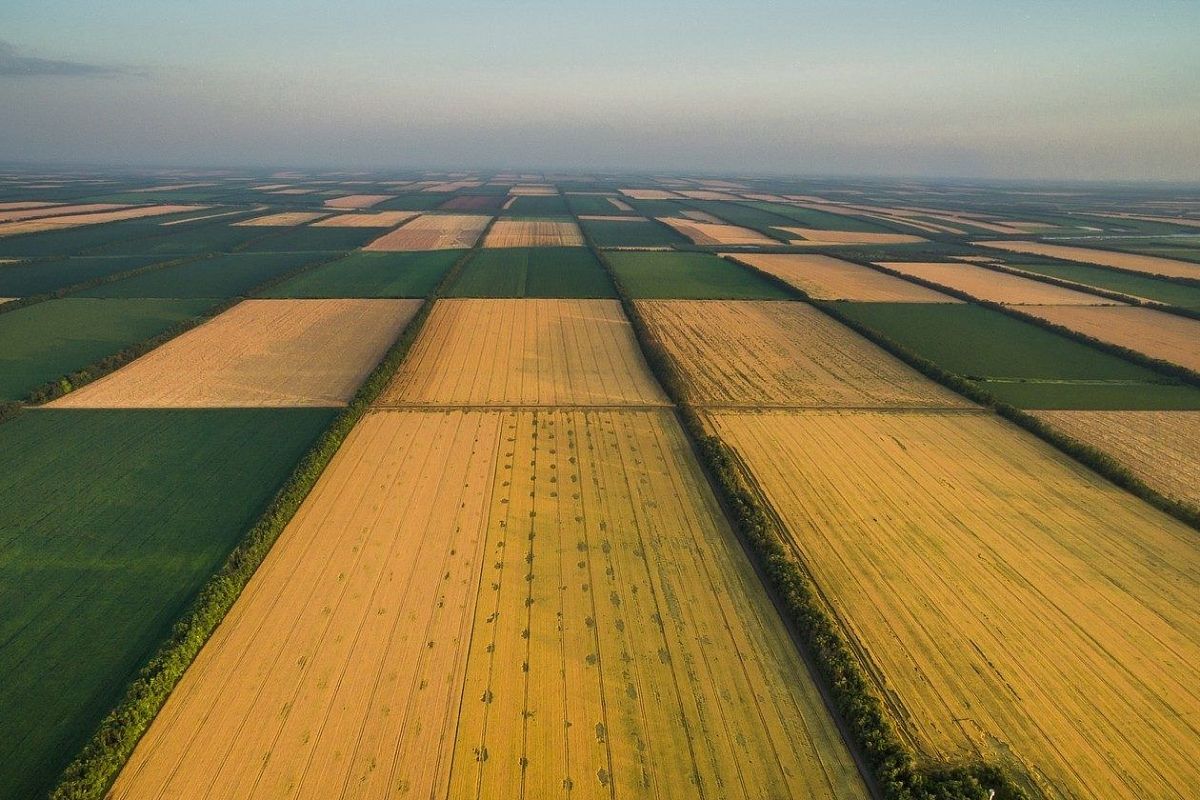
x=433 y=232
x=995 y=286
x=380 y=219
x=620 y=205
x=706 y=233
x=815 y=237
x=77 y=220
x=1154 y=333
x=44 y=212
x=533 y=190
x=533 y=233
x=1153 y=265
x=258 y=353
x=284 y=219
x=357 y=200
x=828 y=278
x=650 y=194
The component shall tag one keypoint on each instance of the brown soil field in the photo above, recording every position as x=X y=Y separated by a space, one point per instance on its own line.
x=706 y=233
x=1009 y=602
x=525 y=352
x=1160 y=447
x=284 y=219
x=500 y=604
x=1154 y=333
x=828 y=278
x=620 y=205
x=380 y=219
x=1153 y=265
x=44 y=212
x=650 y=194
x=816 y=237
x=997 y=287
x=258 y=353
x=77 y=220
x=357 y=200
x=533 y=233
x=433 y=232
x=781 y=354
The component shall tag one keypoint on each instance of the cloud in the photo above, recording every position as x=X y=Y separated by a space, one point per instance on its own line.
x=14 y=65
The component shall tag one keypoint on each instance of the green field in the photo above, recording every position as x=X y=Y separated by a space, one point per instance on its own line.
x=186 y=240
x=77 y=240
x=1175 y=294
x=302 y=238
x=592 y=204
x=1018 y=361
x=690 y=276
x=372 y=275
x=415 y=201
x=45 y=341
x=25 y=280
x=112 y=520
x=537 y=206
x=632 y=233
x=747 y=216
x=220 y=276
x=811 y=218
x=533 y=272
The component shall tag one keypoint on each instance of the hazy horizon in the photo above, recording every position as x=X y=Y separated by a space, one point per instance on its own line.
x=1075 y=91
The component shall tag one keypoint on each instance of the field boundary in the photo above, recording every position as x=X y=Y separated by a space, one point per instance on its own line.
x=91 y=773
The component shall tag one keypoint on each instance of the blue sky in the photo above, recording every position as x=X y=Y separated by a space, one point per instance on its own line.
x=1089 y=90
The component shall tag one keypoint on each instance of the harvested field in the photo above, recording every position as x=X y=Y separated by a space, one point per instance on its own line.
x=18 y=205
x=282 y=219
x=650 y=194
x=1144 y=286
x=620 y=205
x=1153 y=265
x=525 y=352
x=259 y=353
x=78 y=220
x=433 y=232
x=1011 y=603
x=441 y=617
x=382 y=219
x=45 y=212
x=995 y=286
x=702 y=216
x=533 y=190
x=1160 y=447
x=710 y=233
x=781 y=354
x=707 y=194
x=357 y=200
x=1154 y=333
x=816 y=237
x=828 y=278
x=533 y=233
x=610 y=218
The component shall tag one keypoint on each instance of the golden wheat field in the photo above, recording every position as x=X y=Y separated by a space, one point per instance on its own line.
x=95 y=218
x=760 y=353
x=828 y=278
x=525 y=352
x=650 y=194
x=709 y=233
x=995 y=286
x=258 y=353
x=37 y=211
x=533 y=629
x=1160 y=447
x=433 y=232
x=379 y=219
x=284 y=219
x=620 y=205
x=1009 y=602
x=814 y=237
x=1154 y=265
x=533 y=233
x=1155 y=333
x=357 y=200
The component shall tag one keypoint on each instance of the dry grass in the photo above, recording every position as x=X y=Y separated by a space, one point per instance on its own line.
x=525 y=352
x=500 y=604
x=782 y=354
x=433 y=232
x=828 y=278
x=357 y=200
x=814 y=237
x=1160 y=447
x=709 y=233
x=1153 y=265
x=533 y=233
x=1009 y=602
x=285 y=219
x=1155 y=333
x=381 y=219
x=997 y=287
x=77 y=220
x=258 y=353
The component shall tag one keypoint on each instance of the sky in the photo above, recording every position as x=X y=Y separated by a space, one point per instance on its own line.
x=1055 y=89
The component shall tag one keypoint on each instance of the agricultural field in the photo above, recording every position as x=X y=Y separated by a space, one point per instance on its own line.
x=690 y=276
x=433 y=232
x=781 y=354
x=1153 y=333
x=714 y=232
x=630 y=233
x=381 y=219
x=231 y=275
x=537 y=206
x=994 y=286
x=526 y=353
x=533 y=272
x=111 y=522
x=829 y=278
x=533 y=233
x=510 y=639
x=34 y=278
x=260 y=353
x=1010 y=603
x=364 y=274
x=1134 y=262
x=1141 y=286
x=43 y=342
x=60 y=222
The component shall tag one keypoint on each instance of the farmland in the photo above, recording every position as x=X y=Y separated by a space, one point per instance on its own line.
x=221 y=276
x=1145 y=287
x=632 y=232
x=693 y=276
x=1151 y=265
x=433 y=232
x=533 y=233
x=363 y=274
x=1080 y=672
x=995 y=287
x=828 y=278
x=1153 y=333
x=533 y=272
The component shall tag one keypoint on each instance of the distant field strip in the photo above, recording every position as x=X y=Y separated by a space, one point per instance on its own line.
x=994 y=286
x=284 y=219
x=828 y=278
x=1154 y=265
x=43 y=212
x=357 y=200
x=717 y=233
x=1160 y=447
x=500 y=604
x=258 y=353
x=814 y=237
x=1154 y=333
x=433 y=232
x=533 y=233
x=1010 y=603
x=783 y=354
x=78 y=220
x=525 y=352
x=380 y=219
